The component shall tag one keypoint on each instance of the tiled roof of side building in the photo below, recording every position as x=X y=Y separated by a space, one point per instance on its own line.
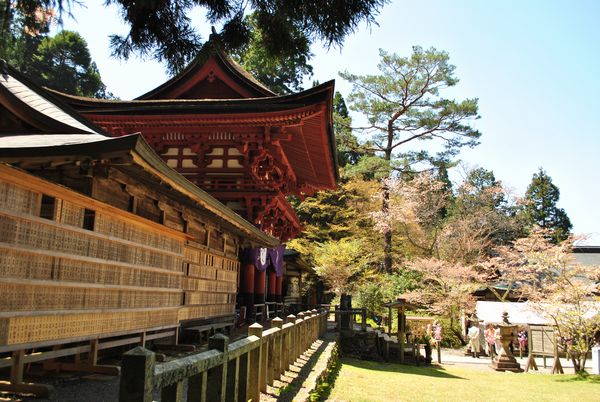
x=17 y=92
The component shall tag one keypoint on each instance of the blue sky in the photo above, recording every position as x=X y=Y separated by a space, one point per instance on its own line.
x=533 y=65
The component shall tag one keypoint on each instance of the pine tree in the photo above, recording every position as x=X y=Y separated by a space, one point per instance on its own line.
x=540 y=207
x=403 y=106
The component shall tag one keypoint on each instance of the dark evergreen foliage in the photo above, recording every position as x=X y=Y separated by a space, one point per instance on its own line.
x=540 y=207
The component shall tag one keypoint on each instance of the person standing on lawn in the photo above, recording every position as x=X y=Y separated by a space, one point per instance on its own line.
x=473 y=335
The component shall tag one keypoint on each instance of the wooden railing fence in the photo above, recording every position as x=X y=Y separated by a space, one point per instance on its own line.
x=236 y=371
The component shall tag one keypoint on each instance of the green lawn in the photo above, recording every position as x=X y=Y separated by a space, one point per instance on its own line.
x=369 y=381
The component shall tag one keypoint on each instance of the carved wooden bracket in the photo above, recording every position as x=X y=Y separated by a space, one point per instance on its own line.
x=267 y=169
x=278 y=222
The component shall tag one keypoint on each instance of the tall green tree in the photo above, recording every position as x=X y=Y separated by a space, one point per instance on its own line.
x=540 y=207
x=403 y=105
x=164 y=30
x=21 y=31
x=282 y=73
x=349 y=151
x=63 y=62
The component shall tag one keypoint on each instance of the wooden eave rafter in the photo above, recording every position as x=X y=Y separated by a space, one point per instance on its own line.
x=208 y=120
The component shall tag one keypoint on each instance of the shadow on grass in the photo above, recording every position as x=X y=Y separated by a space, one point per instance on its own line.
x=428 y=371
x=581 y=378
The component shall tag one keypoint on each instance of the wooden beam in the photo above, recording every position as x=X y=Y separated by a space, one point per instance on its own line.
x=39 y=390
x=85 y=367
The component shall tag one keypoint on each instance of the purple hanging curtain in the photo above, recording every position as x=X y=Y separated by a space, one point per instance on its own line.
x=276 y=255
x=262 y=258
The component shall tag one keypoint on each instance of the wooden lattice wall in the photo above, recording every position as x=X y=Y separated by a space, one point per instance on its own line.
x=73 y=267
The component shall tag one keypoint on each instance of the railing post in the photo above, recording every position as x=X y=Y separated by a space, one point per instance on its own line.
x=217 y=377
x=299 y=336
x=290 y=341
x=137 y=373
x=315 y=324
x=172 y=393
x=306 y=331
x=197 y=387
x=276 y=358
x=283 y=366
x=363 y=318
x=255 y=363
x=232 y=384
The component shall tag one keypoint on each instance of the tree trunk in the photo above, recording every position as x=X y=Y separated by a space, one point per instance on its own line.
x=387 y=235
x=385 y=207
x=576 y=364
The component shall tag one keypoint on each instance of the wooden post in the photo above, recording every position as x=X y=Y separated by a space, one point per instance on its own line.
x=439 y=351
x=531 y=364
x=298 y=342
x=269 y=361
x=197 y=387
x=316 y=324
x=389 y=321
x=255 y=364
x=243 y=376
x=93 y=355
x=16 y=369
x=291 y=339
x=217 y=376
x=363 y=316
x=137 y=374
x=172 y=393
x=276 y=359
x=285 y=358
x=232 y=382
x=401 y=333
x=556 y=367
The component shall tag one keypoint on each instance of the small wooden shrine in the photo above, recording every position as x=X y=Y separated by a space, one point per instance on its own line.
x=102 y=243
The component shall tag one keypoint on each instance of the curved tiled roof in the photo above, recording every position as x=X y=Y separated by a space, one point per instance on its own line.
x=19 y=95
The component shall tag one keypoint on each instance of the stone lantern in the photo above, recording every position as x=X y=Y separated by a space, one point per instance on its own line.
x=505 y=361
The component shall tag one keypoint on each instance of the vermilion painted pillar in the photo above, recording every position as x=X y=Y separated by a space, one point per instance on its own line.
x=272 y=290
x=247 y=290
x=279 y=289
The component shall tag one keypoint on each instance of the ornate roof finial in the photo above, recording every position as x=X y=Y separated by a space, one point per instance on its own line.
x=214 y=36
